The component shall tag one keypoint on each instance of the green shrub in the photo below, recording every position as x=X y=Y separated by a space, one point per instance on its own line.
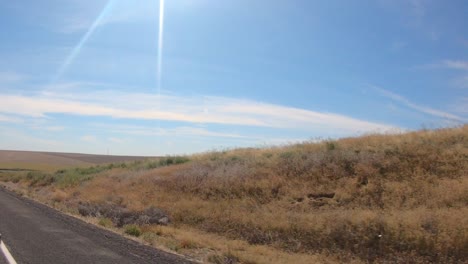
x=331 y=145
x=133 y=230
x=75 y=176
x=105 y=222
x=72 y=177
x=181 y=159
x=166 y=161
x=37 y=178
x=152 y=165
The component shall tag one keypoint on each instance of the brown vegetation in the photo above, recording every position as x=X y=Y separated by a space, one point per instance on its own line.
x=397 y=198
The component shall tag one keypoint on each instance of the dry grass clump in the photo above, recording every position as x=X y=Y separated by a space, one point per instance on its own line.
x=398 y=198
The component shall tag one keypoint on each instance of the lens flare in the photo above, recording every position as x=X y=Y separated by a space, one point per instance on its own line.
x=160 y=43
x=71 y=57
x=160 y=50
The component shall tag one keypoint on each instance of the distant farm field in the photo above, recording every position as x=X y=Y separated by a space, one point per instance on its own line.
x=51 y=161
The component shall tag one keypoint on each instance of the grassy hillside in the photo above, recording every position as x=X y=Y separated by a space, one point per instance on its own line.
x=397 y=198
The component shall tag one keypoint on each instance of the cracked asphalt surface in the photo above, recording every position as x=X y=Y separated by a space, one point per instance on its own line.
x=37 y=234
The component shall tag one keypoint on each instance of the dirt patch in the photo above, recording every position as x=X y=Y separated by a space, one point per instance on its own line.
x=121 y=216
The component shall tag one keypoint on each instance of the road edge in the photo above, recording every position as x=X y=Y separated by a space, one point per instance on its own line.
x=113 y=238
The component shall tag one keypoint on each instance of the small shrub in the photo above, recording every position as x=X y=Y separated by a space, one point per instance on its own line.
x=330 y=145
x=181 y=159
x=149 y=237
x=185 y=243
x=15 y=179
x=37 y=178
x=58 y=196
x=105 y=222
x=152 y=164
x=133 y=230
x=174 y=246
x=166 y=161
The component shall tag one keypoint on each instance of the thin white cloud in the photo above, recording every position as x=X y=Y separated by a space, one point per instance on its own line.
x=193 y=133
x=178 y=131
x=210 y=110
x=461 y=65
x=455 y=64
x=460 y=81
x=417 y=107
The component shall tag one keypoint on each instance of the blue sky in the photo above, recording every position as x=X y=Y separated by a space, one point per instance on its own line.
x=85 y=76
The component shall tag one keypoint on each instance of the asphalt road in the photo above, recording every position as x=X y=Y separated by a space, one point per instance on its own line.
x=2 y=259
x=37 y=234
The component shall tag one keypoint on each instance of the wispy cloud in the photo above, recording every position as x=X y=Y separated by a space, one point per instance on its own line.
x=202 y=109
x=420 y=108
x=194 y=133
x=177 y=131
x=455 y=64
x=458 y=65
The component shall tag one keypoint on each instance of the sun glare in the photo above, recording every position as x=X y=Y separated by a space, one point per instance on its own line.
x=76 y=50
x=160 y=42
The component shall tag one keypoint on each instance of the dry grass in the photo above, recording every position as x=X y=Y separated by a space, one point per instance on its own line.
x=376 y=198
x=213 y=248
